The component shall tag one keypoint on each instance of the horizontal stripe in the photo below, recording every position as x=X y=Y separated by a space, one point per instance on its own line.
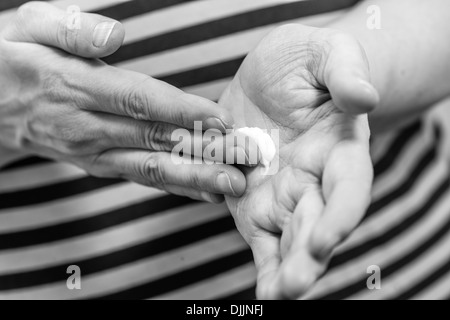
x=437 y=275
x=10 y=4
x=246 y=294
x=119 y=258
x=78 y=207
x=402 y=166
x=438 y=291
x=184 y=278
x=211 y=90
x=206 y=74
x=81 y=227
x=38 y=176
x=383 y=253
x=225 y=26
x=53 y=192
x=88 y=5
x=33 y=161
x=424 y=162
x=412 y=268
x=396 y=148
x=85 y=5
x=215 y=287
x=134 y=274
x=399 y=210
x=360 y=284
x=393 y=232
x=108 y=240
x=133 y=8
x=188 y=15
x=380 y=143
x=213 y=51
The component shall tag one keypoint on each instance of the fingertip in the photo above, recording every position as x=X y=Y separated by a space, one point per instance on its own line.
x=239 y=183
x=220 y=119
x=322 y=244
x=116 y=39
x=211 y=116
x=223 y=115
x=268 y=288
x=295 y=282
x=108 y=36
x=212 y=198
x=356 y=98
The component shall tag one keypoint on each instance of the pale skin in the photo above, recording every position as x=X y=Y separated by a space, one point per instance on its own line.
x=60 y=102
x=314 y=85
x=311 y=84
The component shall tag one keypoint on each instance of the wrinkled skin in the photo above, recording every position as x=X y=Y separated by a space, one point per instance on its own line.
x=294 y=219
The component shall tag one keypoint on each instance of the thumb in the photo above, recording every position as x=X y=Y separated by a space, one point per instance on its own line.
x=82 y=34
x=347 y=77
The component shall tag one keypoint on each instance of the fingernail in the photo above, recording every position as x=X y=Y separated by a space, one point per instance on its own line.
x=206 y=197
x=223 y=183
x=323 y=253
x=102 y=33
x=212 y=198
x=370 y=89
x=216 y=123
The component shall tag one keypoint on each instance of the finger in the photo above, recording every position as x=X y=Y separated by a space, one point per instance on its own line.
x=195 y=194
x=119 y=132
x=140 y=97
x=349 y=180
x=347 y=77
x=161 y=169
x=299 y=270
x=232 y=148
x=82 y=34
x=266 y=253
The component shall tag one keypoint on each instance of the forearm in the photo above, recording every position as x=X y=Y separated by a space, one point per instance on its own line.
x=409 y=57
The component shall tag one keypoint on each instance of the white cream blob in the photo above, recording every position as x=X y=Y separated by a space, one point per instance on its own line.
x=264 y=142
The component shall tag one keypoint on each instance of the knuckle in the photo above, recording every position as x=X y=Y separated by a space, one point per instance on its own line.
x=340 y=236
x=329 y=241
x=157 y=137
x=261 y=292
x=136 y=103
x=99 y=172
x=152 y=170
x=67 y=37
x=74 y=144
x=196 y=182
x=54 y=88
x=186 y=101
x=295 y=282
x=29 y=9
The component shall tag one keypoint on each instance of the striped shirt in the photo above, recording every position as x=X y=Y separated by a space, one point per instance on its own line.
x=132 y=242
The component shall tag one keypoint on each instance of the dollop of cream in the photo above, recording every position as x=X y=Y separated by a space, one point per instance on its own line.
x=264 y=142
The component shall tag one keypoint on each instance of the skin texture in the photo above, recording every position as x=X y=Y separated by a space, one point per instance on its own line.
x=110 y=122
x=408 y=56
x=299 y=80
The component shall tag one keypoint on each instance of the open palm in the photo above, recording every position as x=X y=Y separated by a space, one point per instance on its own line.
x=309 y=84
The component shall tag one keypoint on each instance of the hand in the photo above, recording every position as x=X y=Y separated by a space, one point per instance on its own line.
x=310 y=84
x=110 y=122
